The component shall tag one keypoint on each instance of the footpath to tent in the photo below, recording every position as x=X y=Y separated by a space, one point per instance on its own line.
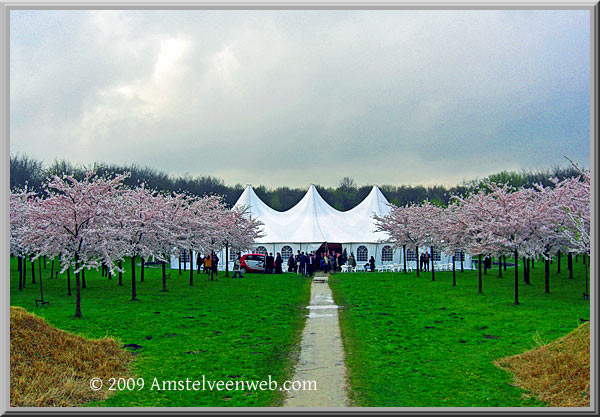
x=321 y=353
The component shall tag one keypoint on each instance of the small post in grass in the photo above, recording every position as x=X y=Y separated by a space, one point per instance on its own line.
x=142 y=269
x=404 y=254
x=558 y=262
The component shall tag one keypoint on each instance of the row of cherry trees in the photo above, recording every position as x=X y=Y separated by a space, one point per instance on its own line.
x=98 y=222
x=499 y=220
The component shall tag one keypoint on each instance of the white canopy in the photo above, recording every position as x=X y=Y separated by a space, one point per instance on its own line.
x=313 y=220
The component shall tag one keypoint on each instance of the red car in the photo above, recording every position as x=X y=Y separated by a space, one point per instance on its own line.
x=252 y=262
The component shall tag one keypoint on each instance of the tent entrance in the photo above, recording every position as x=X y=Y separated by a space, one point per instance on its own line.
x=328 y=247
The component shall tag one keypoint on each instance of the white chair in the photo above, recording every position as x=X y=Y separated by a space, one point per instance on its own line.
x=345 y=268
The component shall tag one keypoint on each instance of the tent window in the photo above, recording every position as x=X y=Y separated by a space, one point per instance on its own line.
x=387 y=254
x=261 y=249
x=436 y=255
x=286 y=252
x=184 y=256
x=362 y=254
x=411 y=255
x=459 y=255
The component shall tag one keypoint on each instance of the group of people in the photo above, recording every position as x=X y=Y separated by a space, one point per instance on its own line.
x=273 y=264
x=208 y=263
x=307 y=263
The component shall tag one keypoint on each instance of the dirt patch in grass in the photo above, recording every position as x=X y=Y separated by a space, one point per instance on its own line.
x=557 y=373
x=52 y=368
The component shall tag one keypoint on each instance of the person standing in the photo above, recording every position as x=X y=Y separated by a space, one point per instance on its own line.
x=207 y=264
x=291 y=263
x=302 y=264
x=310 y=265
x=352 y=260
x=278 y=263
x=372 y=264
x=237 y=270
x=427 y=257
x=214 y=263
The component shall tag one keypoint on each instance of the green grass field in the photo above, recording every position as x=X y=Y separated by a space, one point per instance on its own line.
x=230 y=329
x=413 y=342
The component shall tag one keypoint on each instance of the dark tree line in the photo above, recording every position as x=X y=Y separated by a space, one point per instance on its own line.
x=26 y=170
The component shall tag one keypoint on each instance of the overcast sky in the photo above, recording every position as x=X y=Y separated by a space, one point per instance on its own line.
x=288 y=98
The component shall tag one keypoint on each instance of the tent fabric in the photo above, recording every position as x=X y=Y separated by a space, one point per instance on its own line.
x=313 y=220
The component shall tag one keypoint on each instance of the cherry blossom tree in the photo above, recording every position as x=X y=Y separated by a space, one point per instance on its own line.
x=428 y=231
x=73 y=222
x=239 y=230
x=401 y=226
x=20 y=202
x=139 y=223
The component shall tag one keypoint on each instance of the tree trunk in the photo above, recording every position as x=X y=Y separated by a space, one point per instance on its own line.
x=432 y=266
x=418 y=263
x=121 y=273
x=480 y=277
x=44 y=261
x=52 y=269
x=41 y=291
x=462 y=257
x=404 y=255
x=558 y=262
x=83 y=279
x=77 y=289
x=516 y=278
x=525 y=271
x=500 y=266
x=33 y=272
x=179 y=257
x=40 y=267
x=576 y=256
x=532 y=267
x=504 y=259
x=24 y=271
x=142 y=269
x=226 y=259
x=570 y=264
x=191 y=267
x=20 y=266
x=69 y=280
x=133 y=289
x=453 y=271
x=164 y=276
x=547 y=275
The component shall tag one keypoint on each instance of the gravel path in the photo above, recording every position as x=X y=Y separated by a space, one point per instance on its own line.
x=321 y=354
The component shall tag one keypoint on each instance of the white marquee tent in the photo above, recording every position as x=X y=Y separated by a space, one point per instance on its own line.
x=313 y=222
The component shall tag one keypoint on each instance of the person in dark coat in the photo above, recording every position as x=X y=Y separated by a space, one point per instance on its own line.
x=372 y=264
x=302 y=264
x=426 y=258
x=291 y=263
x=199 y=262
x=310 y=264
x=278 y=263
x=214 y=263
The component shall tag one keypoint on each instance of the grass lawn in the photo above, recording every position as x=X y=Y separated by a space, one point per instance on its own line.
x=411 y=342
x=230 y=329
